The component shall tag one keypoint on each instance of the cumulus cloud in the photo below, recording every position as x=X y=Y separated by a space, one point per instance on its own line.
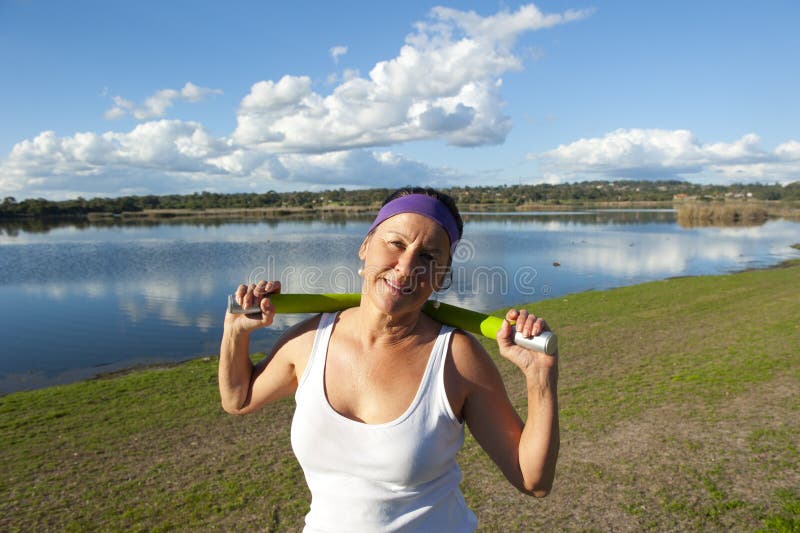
x=444 y=83
x=110 y=163
x=658 y=154
x=359 y=168
x=337 y=51
x=156 y=106
x=172 y=156
x=174 y=144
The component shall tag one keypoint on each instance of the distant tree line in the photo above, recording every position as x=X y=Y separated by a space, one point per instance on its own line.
x=513 y=195
x=621 y=191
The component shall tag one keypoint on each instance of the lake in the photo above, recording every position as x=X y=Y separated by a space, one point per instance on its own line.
x=77 y=300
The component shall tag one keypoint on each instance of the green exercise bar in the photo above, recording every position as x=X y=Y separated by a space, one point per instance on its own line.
x=472 y=321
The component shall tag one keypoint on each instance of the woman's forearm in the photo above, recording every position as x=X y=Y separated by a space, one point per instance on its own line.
x=539 y=443
x=235 y=370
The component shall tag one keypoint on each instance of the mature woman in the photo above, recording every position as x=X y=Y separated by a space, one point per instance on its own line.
x=383 y=391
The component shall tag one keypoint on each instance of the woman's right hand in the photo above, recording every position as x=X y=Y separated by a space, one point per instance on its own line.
x=255 y=294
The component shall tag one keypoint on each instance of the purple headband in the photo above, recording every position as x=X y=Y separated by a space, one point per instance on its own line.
x=421 y=204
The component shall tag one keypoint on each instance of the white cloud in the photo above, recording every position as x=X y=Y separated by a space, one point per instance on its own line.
x=156 y=106
x=443 y=84
x=337 y=51
x=657 y=154
x=121 y=108
x=194 y=93
x=360 y=168
x=789 y=151
x=171 y=156
x=110 y=161
x=346 y=75
x=504 y=26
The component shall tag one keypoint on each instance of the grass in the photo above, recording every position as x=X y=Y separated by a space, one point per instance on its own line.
x=679 y=411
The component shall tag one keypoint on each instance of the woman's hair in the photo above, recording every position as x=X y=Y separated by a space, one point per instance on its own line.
x=446 y=199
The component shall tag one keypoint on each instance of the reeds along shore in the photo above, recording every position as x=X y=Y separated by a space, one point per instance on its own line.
x=730 y=214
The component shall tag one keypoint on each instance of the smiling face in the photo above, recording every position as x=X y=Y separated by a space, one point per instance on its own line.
x=405 y=258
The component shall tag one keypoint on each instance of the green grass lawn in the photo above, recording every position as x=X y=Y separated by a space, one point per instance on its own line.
x=679 y=411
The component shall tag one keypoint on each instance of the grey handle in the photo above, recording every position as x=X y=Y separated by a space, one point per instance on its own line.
x=546 y=342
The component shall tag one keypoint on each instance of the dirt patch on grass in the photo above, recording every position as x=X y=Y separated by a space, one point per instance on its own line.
x=673 y=468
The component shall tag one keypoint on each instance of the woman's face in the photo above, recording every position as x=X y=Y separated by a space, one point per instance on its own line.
x=405 y=258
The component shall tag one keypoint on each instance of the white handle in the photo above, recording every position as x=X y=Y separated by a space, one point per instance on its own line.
x=546 y=342
x=236 y=309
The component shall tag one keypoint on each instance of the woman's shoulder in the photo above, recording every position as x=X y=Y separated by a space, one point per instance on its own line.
x=466 y=344
x=299 y=338
x=470 y=358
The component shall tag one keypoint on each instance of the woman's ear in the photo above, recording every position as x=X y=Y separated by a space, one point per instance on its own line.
x=362 y=251
x=444 y=278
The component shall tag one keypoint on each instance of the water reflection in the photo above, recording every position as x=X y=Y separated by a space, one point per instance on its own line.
x=77 y=300
x=585 y=217
x=17 y=228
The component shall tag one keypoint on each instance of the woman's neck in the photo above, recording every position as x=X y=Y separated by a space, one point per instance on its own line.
x=377 y=329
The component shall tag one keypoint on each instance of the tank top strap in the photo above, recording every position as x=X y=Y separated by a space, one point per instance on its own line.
x=315 y=367
x=438 y=394
x=440 y=348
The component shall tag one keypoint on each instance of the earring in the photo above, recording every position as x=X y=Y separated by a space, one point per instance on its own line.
x=436 y=301
x=360 y=271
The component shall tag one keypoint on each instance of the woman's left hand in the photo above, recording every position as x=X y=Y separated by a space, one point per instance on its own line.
x=531 y=362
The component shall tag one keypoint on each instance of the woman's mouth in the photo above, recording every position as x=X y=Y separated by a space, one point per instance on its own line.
x=396 y=288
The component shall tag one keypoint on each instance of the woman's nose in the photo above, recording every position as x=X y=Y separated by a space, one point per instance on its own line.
x=406 y=264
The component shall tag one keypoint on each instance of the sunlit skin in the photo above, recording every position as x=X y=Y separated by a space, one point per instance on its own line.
x=378 y=353
x=404 y=261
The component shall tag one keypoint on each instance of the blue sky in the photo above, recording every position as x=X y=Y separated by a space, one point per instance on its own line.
x=105 y=98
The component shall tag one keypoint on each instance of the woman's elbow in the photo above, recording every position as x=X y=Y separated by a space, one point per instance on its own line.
x=229 y=408
x=233 y=407
x=537 y=488
x=539 y=491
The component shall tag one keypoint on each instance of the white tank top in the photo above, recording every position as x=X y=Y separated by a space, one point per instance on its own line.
x=397 y=476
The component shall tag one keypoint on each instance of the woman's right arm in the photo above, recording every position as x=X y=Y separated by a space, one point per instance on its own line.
x=245 y=387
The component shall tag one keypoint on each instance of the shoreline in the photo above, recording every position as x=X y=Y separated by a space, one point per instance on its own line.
x=283 y=212
x=687 y=216
x=704 y=212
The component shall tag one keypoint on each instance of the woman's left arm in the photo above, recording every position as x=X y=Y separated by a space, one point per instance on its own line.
x=526 y=452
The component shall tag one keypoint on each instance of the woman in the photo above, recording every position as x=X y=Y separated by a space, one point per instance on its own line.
x=383 y=391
